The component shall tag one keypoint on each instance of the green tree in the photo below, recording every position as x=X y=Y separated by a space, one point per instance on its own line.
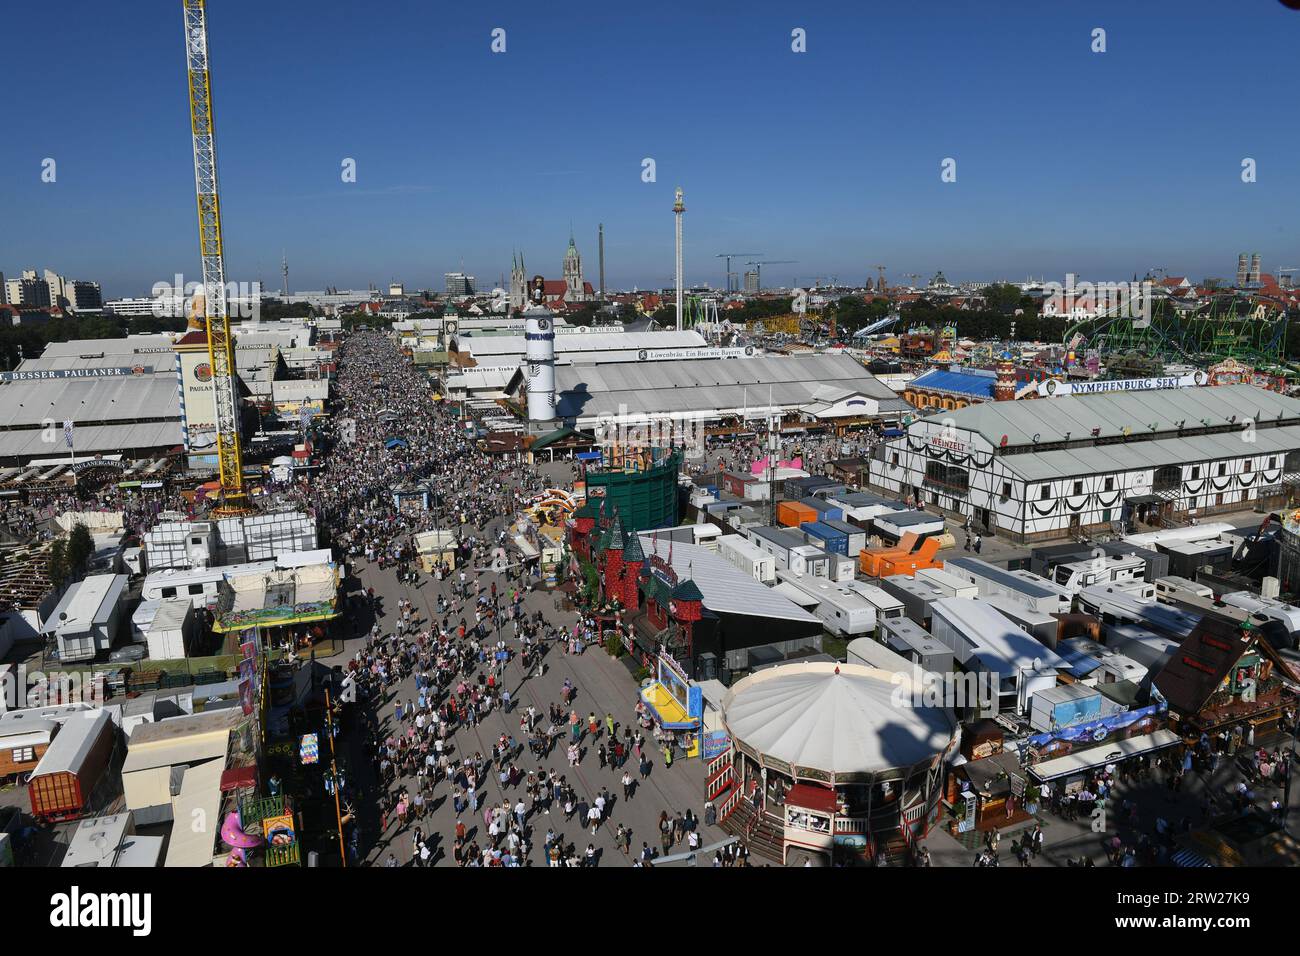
x=1002 y=297
x=57 y=563
x=80 y=547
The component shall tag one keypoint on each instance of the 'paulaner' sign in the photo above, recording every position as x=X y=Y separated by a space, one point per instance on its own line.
x=75 y=373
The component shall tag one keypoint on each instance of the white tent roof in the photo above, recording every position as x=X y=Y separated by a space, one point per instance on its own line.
x=725 y=587
x=839 y=718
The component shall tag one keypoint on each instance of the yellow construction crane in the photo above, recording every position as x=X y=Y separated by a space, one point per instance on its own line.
x=221 y=347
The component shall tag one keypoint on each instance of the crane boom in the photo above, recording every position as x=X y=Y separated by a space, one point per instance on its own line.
x=221 y=351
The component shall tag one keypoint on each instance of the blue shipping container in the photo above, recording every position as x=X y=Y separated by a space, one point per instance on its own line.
x=828 y=512
x=834 y=541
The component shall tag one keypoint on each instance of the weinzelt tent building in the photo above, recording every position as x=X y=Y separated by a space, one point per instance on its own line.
x=1050 y=467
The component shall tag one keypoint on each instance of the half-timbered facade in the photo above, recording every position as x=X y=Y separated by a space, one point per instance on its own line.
x=1047 y=469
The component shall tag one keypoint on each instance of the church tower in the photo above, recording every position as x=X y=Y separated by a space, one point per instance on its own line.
x=518 y=282
x=573 y=274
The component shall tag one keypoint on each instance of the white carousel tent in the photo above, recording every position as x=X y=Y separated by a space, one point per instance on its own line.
x=837 y=718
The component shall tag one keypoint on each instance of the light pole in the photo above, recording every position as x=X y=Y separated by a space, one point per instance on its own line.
x=1286 y=783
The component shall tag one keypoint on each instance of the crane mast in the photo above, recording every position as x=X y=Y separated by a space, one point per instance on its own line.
x=221 y=352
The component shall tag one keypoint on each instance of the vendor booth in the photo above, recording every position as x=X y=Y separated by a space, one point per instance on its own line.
x=672 y=701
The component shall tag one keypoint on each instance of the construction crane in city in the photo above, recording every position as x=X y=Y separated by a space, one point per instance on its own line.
x=729 y=256
x=758 y=271
x=221 y=351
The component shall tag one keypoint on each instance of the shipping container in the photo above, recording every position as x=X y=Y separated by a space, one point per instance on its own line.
x=857 y=536
x=860 y=508
x=842 y=568
x=1043 y=559
x=922 y=557
x=792 y=514
x=869 y=559
x=172 y=631
x=811 y=486
x=836 y=542
x=825 y=510
x=810 y=560
x=61 y=786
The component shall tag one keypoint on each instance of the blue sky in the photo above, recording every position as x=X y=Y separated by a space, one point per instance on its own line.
x=1067 y=160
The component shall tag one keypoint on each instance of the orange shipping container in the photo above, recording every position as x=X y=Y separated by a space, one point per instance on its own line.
x=923 y=557
x=792 y=514
x=869 y=559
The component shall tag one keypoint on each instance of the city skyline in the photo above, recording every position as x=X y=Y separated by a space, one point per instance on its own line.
x=1066 y=160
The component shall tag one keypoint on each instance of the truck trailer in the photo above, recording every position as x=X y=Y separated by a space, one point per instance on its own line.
x=61 y=786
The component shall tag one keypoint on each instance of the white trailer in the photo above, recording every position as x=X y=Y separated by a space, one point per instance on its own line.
x=1172 y=586
x=1022 y=587
x=869 y=652
x=201 y=586
x=950 y=585
x=841 y=611
x=888 y=607
x=1286 y=614
x=984 y=641
x=1074 y=576
x=1116 y=606
x=1044 y=628
x=171 y=633
x=917 y=594
x=1147 y=648
x=810 y=560
x=777 y=542
x=86 y=619
x=748 y=557
x=1200 y=532
x=706 y=535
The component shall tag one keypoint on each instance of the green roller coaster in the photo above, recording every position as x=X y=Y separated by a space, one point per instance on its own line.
x=1245 y=328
